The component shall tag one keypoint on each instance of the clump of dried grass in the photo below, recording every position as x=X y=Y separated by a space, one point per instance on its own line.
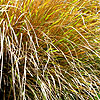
x=49 y=49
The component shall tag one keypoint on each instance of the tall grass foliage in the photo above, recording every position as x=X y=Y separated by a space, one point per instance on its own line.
x=49 y=49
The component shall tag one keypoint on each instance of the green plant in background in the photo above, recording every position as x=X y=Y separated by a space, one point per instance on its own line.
x=49 y=49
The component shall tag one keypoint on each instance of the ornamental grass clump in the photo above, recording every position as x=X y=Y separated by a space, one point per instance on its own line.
x=49 y=49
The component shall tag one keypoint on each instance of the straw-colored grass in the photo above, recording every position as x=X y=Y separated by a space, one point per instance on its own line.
x=49 y=49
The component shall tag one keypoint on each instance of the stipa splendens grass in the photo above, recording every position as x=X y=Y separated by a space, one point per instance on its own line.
x=49 y=49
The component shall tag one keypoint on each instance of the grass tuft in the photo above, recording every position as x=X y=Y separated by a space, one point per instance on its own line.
x=49 y=49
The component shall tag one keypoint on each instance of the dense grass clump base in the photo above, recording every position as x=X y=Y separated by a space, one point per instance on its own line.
x=49 y=49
